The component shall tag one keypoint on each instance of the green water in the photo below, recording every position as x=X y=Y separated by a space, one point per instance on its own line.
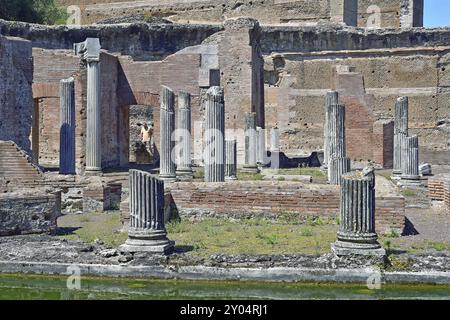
x=19 y=287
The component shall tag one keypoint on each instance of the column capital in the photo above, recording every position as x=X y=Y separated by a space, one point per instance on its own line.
x=88 y=50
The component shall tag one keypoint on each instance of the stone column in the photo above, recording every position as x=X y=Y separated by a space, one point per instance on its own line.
x=336 y=146
x=90 y=54
x=231 y=160
x=332 y=98
x=338 y=166
x=356 y=235
x=400 y=132
x=250 y=143
x=167 y=169
x=214 y=135
x=147 y=232
x=67 y=127
x=184 y=166
x=410 y=158
x=275 y=140
x=261 y=155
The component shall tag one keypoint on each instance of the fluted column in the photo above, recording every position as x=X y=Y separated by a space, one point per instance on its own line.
x=336 y=146
x=67 y=127
x=250 y=143
x=214 y=135
x=167 y=127
x=410 y=158
x=332 y=98
x=338 y=166
x=400 y=132
x=356 y=233
x=184 y=165
x=231 y=159
x=147 y=232
x=89 y=51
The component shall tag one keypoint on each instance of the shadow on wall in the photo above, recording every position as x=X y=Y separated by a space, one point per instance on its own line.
x=314 y=160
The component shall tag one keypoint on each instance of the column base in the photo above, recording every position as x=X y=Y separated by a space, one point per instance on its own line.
x=342 y=248
x=412 y=183
x=185 y=174
x=148 y=241
x=250 y=169
x=168 y=178
x=92 y=171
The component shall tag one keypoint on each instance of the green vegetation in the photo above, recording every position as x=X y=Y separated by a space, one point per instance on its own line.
x=409 y=193
x=246 y=176
x=92 y=226
x=33 y=11
x=291 y=234
x=314 y=172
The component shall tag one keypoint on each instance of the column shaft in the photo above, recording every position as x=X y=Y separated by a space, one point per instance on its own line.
x=336 y=139
x=93 y=130
x=67 y=127
x=400 y=131
x=250 y=143
x=231 y=160
x=184 y=166
x=167 y=128
x=410 y=158
x=147 y=230
x=332 y=98
x=214 y=155
x=356 y=233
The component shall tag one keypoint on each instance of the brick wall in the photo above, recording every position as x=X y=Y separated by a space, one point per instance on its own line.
x=271 y=199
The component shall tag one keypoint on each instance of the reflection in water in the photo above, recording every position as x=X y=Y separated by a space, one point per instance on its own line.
x=54 y=288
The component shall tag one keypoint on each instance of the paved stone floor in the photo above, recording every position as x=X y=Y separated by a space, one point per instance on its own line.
x=429 y=224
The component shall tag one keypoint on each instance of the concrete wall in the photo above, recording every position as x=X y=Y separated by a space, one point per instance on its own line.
x=16 y=74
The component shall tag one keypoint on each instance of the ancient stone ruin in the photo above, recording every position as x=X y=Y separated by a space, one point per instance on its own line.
x=204 y=109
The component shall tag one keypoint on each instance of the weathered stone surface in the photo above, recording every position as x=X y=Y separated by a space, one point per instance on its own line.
x=410 y=158
x=356 y=235
x=184 y=165
x=67 y=127
x=251 y=140
x=16 y=99
x=400 y=132
x=147 y=232
x=425 y=169
x=230 y=160
x=214 y=153
x=27 y=212
x=167 y=127
x=90 y=54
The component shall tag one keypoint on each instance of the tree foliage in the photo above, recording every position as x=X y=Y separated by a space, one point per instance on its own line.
x=33 y=11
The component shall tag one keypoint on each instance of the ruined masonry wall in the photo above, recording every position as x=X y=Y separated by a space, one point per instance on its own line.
x=16 y=76
x=270 y=199
x=28 y=213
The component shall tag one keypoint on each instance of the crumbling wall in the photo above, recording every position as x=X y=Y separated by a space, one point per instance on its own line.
x=268 y=11
x=16 y=99
x=30 y=212
x=272 y=200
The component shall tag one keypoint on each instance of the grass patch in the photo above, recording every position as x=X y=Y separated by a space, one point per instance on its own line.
x=288 y=235
x=314 y=172
x=199 y=173
x=409 y=193
x=92 y=226
x=247 y=176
